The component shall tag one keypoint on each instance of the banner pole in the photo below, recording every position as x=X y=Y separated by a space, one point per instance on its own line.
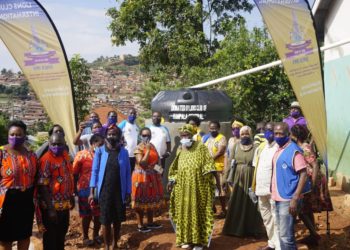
x=67 y=64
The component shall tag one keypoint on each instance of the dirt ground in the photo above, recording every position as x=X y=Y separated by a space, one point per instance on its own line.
x=164 y=238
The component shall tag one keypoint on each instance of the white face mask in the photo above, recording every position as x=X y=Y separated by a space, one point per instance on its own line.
x=186 y=142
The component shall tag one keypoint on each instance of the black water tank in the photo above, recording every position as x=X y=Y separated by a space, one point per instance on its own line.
x=176 y=105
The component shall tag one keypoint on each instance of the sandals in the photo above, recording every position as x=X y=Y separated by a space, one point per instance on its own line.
x=98 y=240
x=88 y=242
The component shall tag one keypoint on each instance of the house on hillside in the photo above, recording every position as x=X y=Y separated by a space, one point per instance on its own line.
x=332 y=20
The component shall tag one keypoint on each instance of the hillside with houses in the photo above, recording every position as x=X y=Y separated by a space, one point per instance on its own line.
x=115 y=82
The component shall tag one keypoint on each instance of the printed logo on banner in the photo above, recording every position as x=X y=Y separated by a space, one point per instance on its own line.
x=39 y=53
x=299 y=46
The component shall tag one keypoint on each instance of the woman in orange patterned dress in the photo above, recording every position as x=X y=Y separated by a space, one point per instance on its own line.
x=18 y=167
x=147 y=189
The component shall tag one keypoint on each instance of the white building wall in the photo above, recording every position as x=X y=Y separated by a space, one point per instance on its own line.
x=337 y=27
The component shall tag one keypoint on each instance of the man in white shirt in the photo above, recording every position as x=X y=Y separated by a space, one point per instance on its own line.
x=262 y=185
x=130 y=133
x=160 y=137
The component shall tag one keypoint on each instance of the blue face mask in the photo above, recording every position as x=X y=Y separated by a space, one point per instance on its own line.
x=268 y=135
x=94 y=120
x=112 y=120
x=131 y=118
x=281 y=141
x=246 y=141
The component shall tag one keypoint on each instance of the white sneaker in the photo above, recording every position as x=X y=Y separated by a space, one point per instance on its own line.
x=185 y=246
x=198 y=248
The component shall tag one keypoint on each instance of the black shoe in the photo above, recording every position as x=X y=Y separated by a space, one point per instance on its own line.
x=143 y=229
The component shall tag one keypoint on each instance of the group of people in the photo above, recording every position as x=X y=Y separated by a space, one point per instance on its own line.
x=268 y=179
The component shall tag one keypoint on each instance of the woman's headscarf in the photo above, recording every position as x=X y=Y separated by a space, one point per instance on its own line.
x=237 y=123
x=187 y=128
x=246 y=128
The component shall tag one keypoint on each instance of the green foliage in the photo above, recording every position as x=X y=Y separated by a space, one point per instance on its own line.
x=183 y=43
x=81 y=76
x=40 y=126
x=4 y=119
x=173 y=33
x=264 y=95
x=17 y=91
x=115 y=63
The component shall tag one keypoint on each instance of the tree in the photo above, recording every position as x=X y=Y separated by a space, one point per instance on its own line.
x=81 y=75
x=173 y=33
x=264 y=95
x=4 y=119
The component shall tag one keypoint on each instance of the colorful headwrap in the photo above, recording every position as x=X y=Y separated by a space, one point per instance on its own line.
x=188 y=128
x=246 y=128
x=237 y=123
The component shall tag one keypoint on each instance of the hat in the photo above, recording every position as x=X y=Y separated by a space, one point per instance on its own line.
x=237 y=123
x=187 y=128
x=295 y=104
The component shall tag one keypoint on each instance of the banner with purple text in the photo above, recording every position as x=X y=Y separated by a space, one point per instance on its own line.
x=292 y=29
x=32 y=39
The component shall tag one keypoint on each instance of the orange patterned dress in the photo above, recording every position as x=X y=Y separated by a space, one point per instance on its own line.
x=319 y=199
x=17 y=176
x=147 y=188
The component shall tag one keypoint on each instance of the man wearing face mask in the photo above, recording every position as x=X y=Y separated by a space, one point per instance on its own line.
x=295 y=116
x=160 y=137
x=112 y=119
x=84 y=140
x=130 y=133
x=288 y=184
x=261 y=185
x=259 y=137
x=93 y=118
x=56 y=188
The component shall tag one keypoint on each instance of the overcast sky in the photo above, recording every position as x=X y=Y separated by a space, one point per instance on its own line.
x=82 y=25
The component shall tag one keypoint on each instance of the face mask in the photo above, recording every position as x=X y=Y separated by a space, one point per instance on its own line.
x=145 y=138
x=214 y=133
x=186 y=142
x=246 y=140
x=16 y=141
x=98 y=131
x=112 y=120
x=268 y=135
x=295 y=114
x=95 y=119
x=57 y=150
x=114 y=141
x=131 y=118
x=235 y=132
x=281 y=140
